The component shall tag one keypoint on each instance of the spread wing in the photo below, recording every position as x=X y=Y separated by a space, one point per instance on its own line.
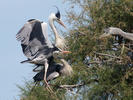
x=33 y=37
x=24 y=33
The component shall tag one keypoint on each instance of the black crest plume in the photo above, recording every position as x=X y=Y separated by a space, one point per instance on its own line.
x=58 y=13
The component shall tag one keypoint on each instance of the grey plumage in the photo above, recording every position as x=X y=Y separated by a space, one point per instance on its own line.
x=36 y=45
x=55 y=70
x=52 y=72
x=34 y=41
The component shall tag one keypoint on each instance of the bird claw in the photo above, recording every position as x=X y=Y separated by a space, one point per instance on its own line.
x=48 y=87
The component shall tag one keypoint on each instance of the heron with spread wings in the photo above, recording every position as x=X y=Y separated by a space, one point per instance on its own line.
x=35 y=44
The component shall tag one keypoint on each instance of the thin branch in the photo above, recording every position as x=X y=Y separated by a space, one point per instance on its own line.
x=127 y=73
x=94 y=62
x=117 y=31
x=102 y=54
x=71 y=86
x=82 y=33
x=77 y=85
x=128 y=49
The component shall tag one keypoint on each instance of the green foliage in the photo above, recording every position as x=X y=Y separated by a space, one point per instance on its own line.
x=111 y=71
x=108 y=73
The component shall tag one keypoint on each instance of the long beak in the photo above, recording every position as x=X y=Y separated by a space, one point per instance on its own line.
x=104 y=35
x=60 y=22
x=66 y=52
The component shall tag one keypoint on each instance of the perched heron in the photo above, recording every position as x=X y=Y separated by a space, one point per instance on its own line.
x=54 y=70
x=117 y=31
x=35 y=44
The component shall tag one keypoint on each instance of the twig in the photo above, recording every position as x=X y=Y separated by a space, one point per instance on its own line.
x=107 y=55
x=77 y=85
x=127 y=73
x=128 y=49
x=82 y=33
x=94 y=62
x=71 y=86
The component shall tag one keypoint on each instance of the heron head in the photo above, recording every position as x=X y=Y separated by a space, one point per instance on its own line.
x=60 y=53
x=57 y=17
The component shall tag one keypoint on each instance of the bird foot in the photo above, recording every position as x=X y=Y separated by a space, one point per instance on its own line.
x=50 y=90
x=48 y=87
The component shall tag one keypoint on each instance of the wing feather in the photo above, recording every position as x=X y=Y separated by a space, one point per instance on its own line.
x=52 y=76
x=33 y=36
x=24 y=33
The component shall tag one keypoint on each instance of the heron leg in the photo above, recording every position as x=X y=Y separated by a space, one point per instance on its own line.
x=45 y=80
x=46 y=68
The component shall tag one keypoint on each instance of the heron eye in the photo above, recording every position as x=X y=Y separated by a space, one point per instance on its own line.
x=58 y=19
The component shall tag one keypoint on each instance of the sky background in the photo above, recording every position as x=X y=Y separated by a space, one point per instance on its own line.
x=13 y=15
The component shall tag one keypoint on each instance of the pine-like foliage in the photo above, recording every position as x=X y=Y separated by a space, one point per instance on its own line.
x=103 y=68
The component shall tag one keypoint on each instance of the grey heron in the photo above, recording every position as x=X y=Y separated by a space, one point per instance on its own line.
x=35 y=44
x=54 y=70
x=117 y=31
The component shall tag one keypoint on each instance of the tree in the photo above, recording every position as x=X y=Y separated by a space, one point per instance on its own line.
x=102 y=68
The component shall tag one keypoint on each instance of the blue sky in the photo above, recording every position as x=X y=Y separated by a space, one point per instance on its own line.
x=13 y=15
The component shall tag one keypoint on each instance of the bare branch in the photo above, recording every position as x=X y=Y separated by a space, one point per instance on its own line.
x=94 y=62
x=117 y=31
x=102 y=54
x=77 y=85
x=71 y=86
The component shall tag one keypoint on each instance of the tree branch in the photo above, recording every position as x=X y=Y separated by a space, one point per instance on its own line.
x=71 y=86
x=77 y=85
x=102 y=54
x=94 y=62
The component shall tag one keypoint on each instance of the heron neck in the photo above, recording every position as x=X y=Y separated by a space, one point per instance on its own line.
x=51 y=22
x=65 y=63
x=66 y=68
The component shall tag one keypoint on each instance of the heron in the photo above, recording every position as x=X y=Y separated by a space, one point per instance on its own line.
x=117 y=31
x=55 y=70
x=35 y=43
